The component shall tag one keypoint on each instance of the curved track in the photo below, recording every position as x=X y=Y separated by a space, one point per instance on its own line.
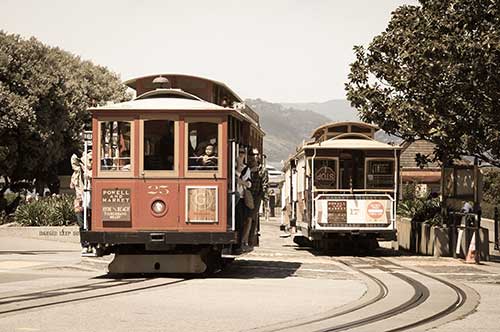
x=371 y=312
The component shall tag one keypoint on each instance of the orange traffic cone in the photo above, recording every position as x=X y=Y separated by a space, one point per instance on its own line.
x=471 y=257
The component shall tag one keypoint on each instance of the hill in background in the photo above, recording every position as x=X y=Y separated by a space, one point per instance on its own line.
x=288 y=124
x=285 y=127
x=336 y=110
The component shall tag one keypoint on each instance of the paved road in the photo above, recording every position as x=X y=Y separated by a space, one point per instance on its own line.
x=45 y=287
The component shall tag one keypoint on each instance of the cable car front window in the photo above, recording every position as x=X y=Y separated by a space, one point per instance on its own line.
x=115 y=146
x=159 y=145
x=202 y=146
x=380 y=173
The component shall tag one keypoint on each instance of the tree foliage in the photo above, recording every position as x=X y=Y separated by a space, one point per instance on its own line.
x=491 y=186
x=44 y=96
x=434 y=74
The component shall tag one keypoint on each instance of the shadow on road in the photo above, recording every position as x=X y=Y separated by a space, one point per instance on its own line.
x=239 y=269
x=494 y=258
x=354 y=251
x=251 y=269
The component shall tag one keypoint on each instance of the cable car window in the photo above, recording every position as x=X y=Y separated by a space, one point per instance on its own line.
x=325 y=173
x=159 y=142
x=115 y=146
x=380 y=174
x=203 y=146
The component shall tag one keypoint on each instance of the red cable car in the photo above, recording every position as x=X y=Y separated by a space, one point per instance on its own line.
x=164 y=174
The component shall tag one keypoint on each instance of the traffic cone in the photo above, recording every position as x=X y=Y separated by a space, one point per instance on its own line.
x=471 y=257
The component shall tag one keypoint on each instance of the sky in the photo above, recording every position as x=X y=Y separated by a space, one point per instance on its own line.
x=279 y=51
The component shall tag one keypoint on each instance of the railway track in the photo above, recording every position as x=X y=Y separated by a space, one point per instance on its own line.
x=79 y=292
x=385 y=307
x=398 y=298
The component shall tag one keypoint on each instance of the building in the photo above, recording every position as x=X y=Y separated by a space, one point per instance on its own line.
x=427 y=177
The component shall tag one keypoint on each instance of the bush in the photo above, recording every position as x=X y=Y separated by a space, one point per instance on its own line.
x=491 y=186
x=488 y=210
x=3 y=218
x=48 y=211
x=422 y=210
x=409 y=190
x=7 y=206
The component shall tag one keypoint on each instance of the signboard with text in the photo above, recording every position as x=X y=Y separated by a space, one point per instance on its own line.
x=116 y=204
x=325 y=174
x=353 y=211
x=202 y=204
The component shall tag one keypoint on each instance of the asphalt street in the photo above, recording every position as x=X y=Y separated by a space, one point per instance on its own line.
x=46 y=286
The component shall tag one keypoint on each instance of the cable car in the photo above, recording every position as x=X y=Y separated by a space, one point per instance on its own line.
x=163 y=174
x=342 y=186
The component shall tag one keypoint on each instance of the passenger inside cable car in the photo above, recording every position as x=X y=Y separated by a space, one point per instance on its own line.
x=203 y=146
x=209 y=158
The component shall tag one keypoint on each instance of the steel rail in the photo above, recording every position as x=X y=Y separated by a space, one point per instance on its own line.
x=60 y=299
x=420 y=295
x=382 y=293
x=459 y=302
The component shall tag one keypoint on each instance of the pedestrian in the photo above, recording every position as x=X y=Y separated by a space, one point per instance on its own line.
x=259 y=188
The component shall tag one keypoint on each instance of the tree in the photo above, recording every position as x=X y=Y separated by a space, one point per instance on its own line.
x=491 y=183
x=44 y=96
x=434 y=74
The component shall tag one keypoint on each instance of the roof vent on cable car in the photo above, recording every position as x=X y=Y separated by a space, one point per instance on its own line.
x=161 y=82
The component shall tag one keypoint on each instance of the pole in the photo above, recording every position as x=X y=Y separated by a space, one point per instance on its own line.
x=477 y=209
x=234 y=146
x=496 y=221
x=85 y=188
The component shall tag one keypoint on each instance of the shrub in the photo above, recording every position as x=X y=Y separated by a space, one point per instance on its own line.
x=491 y=186
x=3 y=218
x=409 y=190
x=8 y=206
x=488 y=210
x=422 y=210
x=48 y=211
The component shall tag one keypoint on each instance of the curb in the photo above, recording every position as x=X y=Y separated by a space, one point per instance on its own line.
x=69 y=234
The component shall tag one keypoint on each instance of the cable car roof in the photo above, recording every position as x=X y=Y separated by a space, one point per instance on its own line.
x=161 y=104
x=175 y=100
x=359 y=143
x=132 y=83
x=319 y=130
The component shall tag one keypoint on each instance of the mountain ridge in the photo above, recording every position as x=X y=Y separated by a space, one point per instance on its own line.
x=285 y=127
x=334 y=109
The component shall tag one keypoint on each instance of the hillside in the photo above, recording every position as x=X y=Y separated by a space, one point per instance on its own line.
x=285 y=127
x=336 y=110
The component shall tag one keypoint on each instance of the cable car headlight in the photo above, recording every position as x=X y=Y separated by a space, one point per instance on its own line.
x=158 y=206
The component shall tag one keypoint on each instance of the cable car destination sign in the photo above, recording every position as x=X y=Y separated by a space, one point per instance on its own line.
x=325 y=178
x=353 y=211
x=116 y=204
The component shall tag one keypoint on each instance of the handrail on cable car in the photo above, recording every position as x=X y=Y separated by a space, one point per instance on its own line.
x=354 y=190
